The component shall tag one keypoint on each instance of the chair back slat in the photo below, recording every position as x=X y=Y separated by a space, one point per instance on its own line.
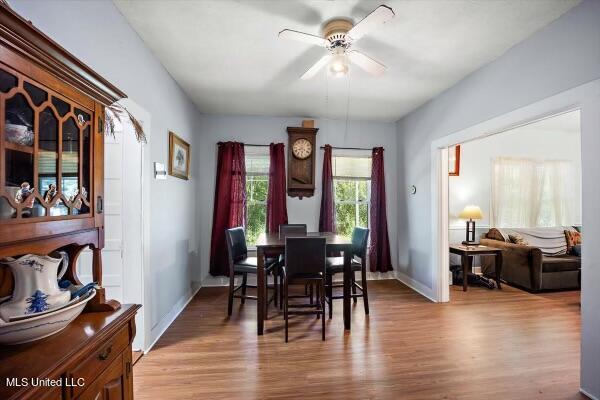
x=286 y=230
x=304 y=255
x=360 y=238
x=236 y=243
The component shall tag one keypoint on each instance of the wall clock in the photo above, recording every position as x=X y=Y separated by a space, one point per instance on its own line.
x=301 y=161
x=302 y=149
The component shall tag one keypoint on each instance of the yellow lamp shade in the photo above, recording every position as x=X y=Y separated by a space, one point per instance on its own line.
x=471 y=212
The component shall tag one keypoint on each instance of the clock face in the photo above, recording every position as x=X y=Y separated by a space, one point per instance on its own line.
x=302 y=149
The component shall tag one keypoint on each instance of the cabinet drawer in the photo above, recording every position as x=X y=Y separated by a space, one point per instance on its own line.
x=110 y=385
x=54 y=393
x=102 y=357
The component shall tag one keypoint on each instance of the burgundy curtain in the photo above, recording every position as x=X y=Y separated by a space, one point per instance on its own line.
x=379 y=251
x=276 y=197
x=230 y=202
x=327 y=216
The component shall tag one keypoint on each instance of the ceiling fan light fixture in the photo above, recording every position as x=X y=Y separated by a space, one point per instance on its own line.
x=338 y=67
x=339 y=36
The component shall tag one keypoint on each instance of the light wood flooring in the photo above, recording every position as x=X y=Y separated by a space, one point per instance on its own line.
x=484 y=344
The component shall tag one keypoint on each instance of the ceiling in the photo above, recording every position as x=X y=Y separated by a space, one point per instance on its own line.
x=226 y=55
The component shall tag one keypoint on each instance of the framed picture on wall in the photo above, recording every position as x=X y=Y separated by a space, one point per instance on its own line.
x=454 y=160
x=179 y=157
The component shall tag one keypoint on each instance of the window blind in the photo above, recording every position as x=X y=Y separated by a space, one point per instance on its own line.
x=351 y=167
x=257 y=164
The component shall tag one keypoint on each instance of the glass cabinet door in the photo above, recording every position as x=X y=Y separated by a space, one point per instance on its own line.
x=46 y=144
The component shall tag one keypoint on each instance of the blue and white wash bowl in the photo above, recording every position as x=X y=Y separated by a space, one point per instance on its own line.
x=45 y=324
x=36 y=285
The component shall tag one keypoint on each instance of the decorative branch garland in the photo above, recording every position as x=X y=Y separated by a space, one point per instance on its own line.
x=117 y=112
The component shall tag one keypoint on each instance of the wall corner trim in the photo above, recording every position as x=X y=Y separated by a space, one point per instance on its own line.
x=588 y=394
x=416 y=286
x=172 y=315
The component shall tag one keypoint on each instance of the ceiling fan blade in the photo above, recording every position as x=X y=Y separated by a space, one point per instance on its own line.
x=303 y=37
x=378 y=17
x=367 y=63
x=316 y=67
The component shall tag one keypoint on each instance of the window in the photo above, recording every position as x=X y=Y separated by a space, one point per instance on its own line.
x=352 y=187
x=532 y=193
x=257 y=187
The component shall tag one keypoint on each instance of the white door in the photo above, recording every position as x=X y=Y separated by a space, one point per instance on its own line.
x=123 y=253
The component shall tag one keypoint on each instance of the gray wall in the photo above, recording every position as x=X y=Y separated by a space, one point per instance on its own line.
x=263 y=130
x=97 y=33
x=561 y=56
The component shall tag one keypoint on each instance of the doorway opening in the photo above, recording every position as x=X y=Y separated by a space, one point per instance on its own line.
x=514 y=209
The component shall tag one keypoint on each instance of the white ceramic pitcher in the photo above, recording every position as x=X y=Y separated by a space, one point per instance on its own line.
x=36 y=285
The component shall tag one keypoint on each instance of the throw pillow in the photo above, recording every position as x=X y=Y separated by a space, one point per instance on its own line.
x=573 y=238
x=517 y=239
x=496 y=234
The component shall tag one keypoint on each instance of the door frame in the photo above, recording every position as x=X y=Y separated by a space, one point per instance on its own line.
x=566 y=101
x=143 y=273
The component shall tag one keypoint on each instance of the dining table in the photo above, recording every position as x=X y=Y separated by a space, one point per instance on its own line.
x=271 y=245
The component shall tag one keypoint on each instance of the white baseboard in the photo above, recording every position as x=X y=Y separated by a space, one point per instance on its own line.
x=416 y=286
x=587 y=394
x=219 y=281
x=215 y=281
x=168 y=319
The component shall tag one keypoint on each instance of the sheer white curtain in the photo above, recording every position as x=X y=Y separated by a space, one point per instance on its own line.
x=532 y=193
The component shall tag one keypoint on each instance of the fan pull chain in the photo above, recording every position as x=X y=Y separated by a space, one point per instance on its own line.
x=347 y=109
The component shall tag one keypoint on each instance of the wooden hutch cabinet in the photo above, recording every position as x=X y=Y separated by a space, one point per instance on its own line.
x=51 y=198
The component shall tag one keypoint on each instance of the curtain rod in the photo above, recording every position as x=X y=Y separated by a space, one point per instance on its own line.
x=322 y=147
x=348 y=148
x=246 y=144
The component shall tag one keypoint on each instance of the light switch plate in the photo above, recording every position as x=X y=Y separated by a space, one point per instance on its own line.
x=160 y=172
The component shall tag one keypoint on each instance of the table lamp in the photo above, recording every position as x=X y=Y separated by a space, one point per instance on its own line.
x=470 y=213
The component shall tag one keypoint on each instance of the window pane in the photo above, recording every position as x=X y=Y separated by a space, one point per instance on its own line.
x=363 y=190
x=345 y=217
x=257 y=188
x=363 y=215
x=257 y=220
x=344 y=190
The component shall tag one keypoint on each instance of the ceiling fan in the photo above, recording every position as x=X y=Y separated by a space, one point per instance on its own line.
x=338 y=37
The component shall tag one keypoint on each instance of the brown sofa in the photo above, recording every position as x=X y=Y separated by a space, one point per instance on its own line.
x=528 y=268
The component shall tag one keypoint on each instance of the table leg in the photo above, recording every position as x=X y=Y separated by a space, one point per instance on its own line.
x=498 y=260
x=465 y=273
x=260 y=288
x=347 y=288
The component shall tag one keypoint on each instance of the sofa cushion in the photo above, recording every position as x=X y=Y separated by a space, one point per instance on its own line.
x=496 y=234
x=573 y=238
x=561 y=263
x=516 y=238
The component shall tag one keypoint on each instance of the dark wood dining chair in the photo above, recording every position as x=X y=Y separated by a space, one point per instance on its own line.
x=304 y=263
x=286 y=230
x=241 y=264
x=335 y=265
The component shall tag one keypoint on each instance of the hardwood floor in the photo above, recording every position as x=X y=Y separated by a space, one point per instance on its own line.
x=484 y=344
